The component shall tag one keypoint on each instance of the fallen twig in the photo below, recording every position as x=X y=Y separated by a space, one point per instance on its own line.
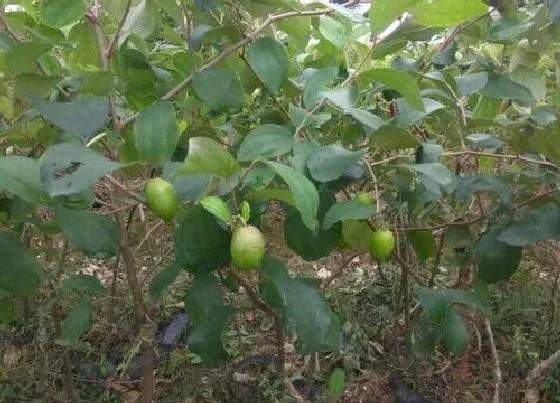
x=496 y=357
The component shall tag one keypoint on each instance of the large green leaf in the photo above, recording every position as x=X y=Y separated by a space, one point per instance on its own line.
x=467 y=185
x=409 y=116
x=366 y=118
x=312 y=244
x=506 y=30
x=333 y=31
x=445 y=13
x=22 y=57
x=70 y=168
x=384 y=12
x=471 y=83
x=143 y=19
x=201 y=245
x=21 y=176
x=356 y=234
x=219 y=89
x=269 y=61
x=392 y=137
x=93 y=233
x=207 y=156
x=299 y=302
x=423 y=242
x=209 y=317
x=82 y=117
x=304 y=193
x=265 y=141
x=402 y=82
x=455 y=336
x=156 y=132
x=496 y=260
x=77 y=322
x=163 y=279
x=332 y=162
x=346 y=210
x=536 y=225
x=531 y=79
x=59 y=13
x=436 y=172
x=19 y=272
x=344 y=97
x=315 y=83
x=29 y=85
x=502 y=87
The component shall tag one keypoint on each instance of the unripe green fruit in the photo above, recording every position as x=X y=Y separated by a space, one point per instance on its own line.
x=247 y=248
x=161 y=198
x=381 y=244
x=365 y=198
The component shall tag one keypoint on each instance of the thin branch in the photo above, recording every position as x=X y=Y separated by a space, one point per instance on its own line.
x=496 y=358
x=111 y=47
x=147 y=236
x=542 y=367
x=259 y=303
x=536 y=197
x=231 y=49
x=124 y=188
x=338 y=271
x=504 y=156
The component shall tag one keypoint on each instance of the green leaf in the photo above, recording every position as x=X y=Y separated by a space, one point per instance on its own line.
x=7 y=310
x=70 y=168
x=402 y=82
x=471 y=83
x=209 y=317
x=82 y=117
x=502 y=87
x=311 y=244
x=536 y=225
x=532 y=80
x=315 y=83
x=218 y=207
x=163 y=279
x=305 y=195
x=331 y=162
x=156 y=132
x=366 y=118
x=219 y=89
x=245 y=210
x=344 y=97
x=281 y=195
x=455 y=336
x=467 y=185
x=143 y=19
x=384 y=12
x=94 y=234
x=265 y=141
x=59 y=13
x=32 y=84
x=336 y=383
x=356 y=234
x=269 y=61
x=97 y=83
x=496 y=260
x=333 y=31
x=392 y=137
x=201 y=245
x=346 y=210
x=423 y=242
x=19 y=272
x=445 y=13
x=506 y=30
x=299 y=302
x=77 y=322
x=21 y=176
x=409 y=116
x=22 y=57
x=83 y=283
x=207 y=156
x=436 y=172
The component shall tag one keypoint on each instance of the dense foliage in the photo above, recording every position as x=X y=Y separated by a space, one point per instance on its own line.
x=448 y=121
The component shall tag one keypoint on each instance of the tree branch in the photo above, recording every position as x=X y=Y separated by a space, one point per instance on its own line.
x=111 y=47
x=231 y=49
x=496 y=358
x=542 y=366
